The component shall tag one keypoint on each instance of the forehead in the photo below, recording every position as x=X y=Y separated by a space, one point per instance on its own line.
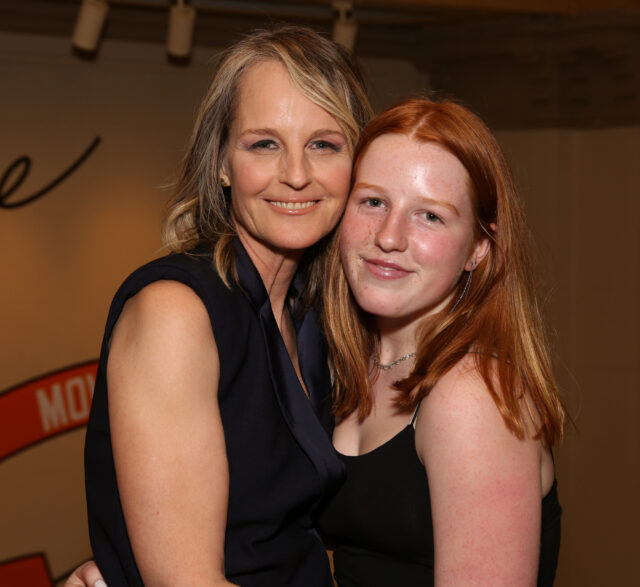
x=401 y=161
x=267 y=97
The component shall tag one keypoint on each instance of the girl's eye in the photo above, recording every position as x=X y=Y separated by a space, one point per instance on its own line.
x=431 y=217
x=373 y=202
x=263 y=144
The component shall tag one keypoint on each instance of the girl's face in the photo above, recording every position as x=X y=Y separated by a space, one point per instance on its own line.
x=407 y=232
x=288 y=164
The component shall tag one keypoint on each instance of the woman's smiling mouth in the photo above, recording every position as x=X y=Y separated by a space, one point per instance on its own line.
x=293 y=206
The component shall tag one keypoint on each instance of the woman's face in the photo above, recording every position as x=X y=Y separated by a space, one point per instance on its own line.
x=407 y=233
x=287 y=161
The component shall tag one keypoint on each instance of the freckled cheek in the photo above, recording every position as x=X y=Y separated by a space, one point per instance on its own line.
x=345 y=244
x=446 y=255
x=355 y=231
x=349 y=246
x=427 y=249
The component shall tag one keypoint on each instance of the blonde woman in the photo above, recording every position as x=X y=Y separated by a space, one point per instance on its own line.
x=208 y=448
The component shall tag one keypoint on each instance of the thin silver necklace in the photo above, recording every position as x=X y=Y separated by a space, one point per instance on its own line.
x=387 y=366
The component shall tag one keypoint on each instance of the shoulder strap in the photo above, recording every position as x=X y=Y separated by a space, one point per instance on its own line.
x=415 y=415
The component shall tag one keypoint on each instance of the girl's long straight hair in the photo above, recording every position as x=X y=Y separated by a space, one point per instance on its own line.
x=499 y=320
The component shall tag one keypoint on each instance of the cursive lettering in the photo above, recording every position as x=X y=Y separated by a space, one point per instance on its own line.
x=23 y=165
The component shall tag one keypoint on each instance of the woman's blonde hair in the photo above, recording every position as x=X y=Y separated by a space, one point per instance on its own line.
x=498 y=319
x=200 y=211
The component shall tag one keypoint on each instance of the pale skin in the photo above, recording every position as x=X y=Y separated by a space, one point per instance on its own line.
x=407 y=234
x=289 y=166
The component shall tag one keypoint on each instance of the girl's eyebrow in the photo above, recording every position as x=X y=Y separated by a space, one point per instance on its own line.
x=441 y=203
x=380 y=190
x=368 y=186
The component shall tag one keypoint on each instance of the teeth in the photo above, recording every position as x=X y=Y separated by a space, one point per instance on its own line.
x=293 y=205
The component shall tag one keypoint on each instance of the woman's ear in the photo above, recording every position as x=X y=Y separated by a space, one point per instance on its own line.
x=224 y=178
x=223 y=171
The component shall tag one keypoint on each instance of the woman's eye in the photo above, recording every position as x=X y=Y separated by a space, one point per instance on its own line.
x=264 y=144
x=324 y=145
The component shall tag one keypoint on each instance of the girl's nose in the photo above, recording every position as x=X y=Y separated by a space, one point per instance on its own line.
x=392 y=233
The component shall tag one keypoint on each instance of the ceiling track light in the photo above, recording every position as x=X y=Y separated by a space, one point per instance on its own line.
x=89 y=24
x=182 y=18
x=345 y=26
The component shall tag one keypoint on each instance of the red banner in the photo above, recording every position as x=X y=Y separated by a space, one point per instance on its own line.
x=44 y=407
x=29 y=571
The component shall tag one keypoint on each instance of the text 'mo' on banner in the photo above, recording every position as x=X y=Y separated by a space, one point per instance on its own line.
x=44 y=407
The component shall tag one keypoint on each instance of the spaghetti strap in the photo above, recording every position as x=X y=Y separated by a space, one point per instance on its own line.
x=415 y=415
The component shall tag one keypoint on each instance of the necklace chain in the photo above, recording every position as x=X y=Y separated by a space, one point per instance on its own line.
x=388 y=366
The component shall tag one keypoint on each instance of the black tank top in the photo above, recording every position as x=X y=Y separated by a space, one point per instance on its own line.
x=379 y=523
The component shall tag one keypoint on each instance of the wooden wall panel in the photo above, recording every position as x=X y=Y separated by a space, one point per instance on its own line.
x=581 y=190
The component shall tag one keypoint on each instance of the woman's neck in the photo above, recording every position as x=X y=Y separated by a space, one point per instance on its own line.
x=276 y=269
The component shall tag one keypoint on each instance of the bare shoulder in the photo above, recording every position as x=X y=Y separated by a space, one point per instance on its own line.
x=459 y=399
x=163 y=334
x=165 y=303
x=460 y=418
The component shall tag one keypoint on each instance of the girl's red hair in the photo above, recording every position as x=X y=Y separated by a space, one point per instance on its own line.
x=499 y=320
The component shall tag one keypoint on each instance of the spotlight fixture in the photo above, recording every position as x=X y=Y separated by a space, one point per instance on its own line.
x=345 y=26
x=182 y=18
x=91 y=17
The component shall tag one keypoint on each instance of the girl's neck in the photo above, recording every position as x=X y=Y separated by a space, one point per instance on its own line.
x=396 y=340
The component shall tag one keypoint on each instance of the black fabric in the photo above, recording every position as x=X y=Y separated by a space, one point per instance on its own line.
x=379 y=523
x=281 y=463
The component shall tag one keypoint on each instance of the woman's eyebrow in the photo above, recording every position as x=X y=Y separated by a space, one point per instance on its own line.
x=273 y=131
x=259 y=131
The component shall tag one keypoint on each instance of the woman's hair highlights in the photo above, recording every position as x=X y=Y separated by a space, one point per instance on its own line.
x=325 y=73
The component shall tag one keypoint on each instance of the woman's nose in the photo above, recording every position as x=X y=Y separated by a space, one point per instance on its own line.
x=294 y=170
x=391 y=234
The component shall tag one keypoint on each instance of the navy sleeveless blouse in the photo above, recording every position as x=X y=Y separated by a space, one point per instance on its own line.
x=282 y=465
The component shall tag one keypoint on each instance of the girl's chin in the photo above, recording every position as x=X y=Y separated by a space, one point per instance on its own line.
x=381 y=309
x=393 y=312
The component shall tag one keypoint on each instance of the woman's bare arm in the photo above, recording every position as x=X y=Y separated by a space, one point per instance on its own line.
x=484 y=486
x=167 y=435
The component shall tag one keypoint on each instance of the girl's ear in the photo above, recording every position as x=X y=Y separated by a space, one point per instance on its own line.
x=479 y=251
